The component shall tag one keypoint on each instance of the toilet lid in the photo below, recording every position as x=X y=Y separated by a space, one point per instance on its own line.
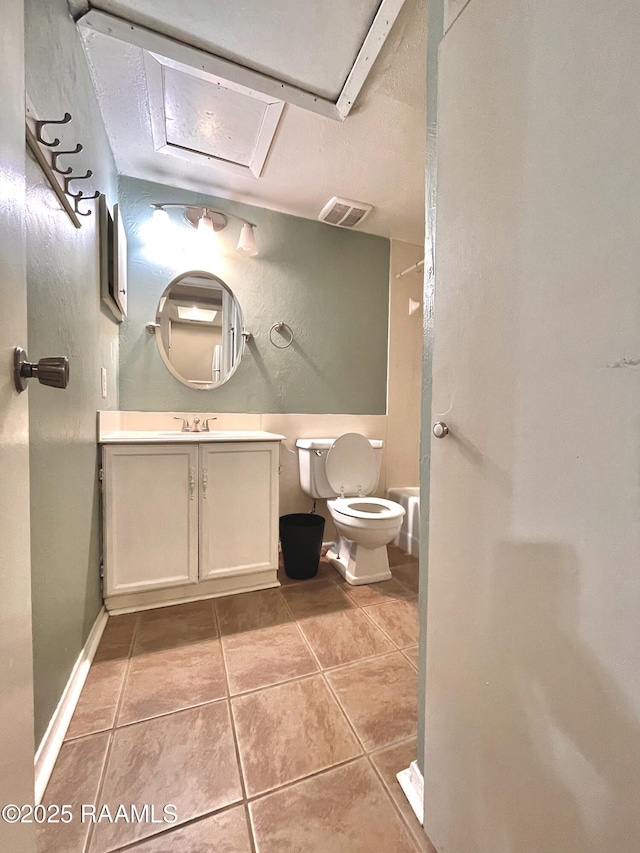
x=351 y=465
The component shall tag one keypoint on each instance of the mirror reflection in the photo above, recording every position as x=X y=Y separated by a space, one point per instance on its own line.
x=199 y=330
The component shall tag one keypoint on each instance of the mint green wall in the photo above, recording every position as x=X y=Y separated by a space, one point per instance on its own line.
x=330 y=285
x=65 y=318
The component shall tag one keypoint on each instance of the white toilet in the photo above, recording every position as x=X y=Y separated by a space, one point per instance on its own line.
x=347 y=469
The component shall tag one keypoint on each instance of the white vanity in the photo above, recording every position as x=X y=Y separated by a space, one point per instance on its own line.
x=187 y=515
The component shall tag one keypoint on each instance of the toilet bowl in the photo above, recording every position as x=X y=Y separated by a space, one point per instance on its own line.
x=346 y=470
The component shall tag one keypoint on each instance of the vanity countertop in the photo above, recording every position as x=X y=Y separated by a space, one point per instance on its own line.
x=139 y=436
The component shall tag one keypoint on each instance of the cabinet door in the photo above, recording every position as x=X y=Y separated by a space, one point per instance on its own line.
x=238 y=508
x=150 y=517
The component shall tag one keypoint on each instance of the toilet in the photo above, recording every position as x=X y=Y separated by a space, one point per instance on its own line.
x=346 y=471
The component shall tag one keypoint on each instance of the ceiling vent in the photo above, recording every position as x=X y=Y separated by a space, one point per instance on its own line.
x=344 y=212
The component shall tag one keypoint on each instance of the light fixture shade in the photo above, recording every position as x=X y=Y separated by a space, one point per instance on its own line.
x=160 y=217
x=247 y=241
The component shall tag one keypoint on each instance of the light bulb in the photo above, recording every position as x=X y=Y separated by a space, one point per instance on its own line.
x=247 y=241
x=205 y=226
x=160 y=217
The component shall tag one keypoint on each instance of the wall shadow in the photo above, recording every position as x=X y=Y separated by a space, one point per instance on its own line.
x=558 y=738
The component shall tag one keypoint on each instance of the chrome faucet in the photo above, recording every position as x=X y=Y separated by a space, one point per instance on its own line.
x=205 y=426
x=195 y=426
x=185 y=423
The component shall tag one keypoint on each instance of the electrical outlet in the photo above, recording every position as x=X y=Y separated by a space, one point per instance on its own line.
x=103 y=381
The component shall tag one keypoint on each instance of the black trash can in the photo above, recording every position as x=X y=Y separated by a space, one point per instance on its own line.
x=301 y=539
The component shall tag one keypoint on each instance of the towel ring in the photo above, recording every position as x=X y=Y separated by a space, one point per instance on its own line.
x=284 y=331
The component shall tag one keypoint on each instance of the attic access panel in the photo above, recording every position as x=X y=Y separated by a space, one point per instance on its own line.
x=195 y=115
x=314 y=55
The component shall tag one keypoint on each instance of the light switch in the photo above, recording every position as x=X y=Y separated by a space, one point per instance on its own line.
x=103 y=381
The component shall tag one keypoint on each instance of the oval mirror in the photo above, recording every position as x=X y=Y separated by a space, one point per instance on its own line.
x=199 y=330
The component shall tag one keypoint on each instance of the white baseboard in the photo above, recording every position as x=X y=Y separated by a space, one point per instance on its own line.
x=56 y=730
x=412 y=784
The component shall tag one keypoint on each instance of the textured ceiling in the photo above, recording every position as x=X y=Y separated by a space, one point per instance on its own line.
x=376 y=155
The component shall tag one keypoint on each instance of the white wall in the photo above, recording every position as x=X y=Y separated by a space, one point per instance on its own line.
x=405 y=367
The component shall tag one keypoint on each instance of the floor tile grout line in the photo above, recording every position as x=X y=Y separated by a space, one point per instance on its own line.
x=254 y=798
x=394 y=803
x=328 y=686
x=331 y=692
x=386 y=633
x=171 y=828
x=234 y=733
x=160 y=716
x=112 y=732
x=333 y=667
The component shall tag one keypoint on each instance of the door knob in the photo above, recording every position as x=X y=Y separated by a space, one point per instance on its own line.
x=440 y=429
x=48 y=371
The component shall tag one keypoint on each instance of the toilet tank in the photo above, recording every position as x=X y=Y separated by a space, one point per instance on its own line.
x=312 y=455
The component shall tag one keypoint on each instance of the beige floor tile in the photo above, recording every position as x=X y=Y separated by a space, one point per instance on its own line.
x=345 y=810
x=261 y=658
x=411 y=655
x=74 y=782
x=96 y=709
x=398 y=557
x=187 y=759
x=389 y=762
x=376 y=593
x=250 y=611
x=172 y=679
x=409 y=576
x=343 y=637
x=398 y=620
x=227 y=832
x=315 y=598
x=117 y=637
x=380 y=698
x=290 y=731
x=168 y=627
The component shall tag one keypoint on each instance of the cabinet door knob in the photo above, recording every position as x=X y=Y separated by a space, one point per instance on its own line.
x=440 y=429
x=192 y=483
x=204 y=482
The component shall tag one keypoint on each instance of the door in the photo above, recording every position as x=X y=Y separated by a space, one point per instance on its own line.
x=150 y=495
x=532 y=720
x=238 y=508
x=16 y=662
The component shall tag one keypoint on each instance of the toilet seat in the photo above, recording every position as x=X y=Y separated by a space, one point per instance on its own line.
x=351 y=465
x=367 y=508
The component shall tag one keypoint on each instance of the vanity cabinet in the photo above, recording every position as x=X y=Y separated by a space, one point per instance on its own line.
x=188 y=520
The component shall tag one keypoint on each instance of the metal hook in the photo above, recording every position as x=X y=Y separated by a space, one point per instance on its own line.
x=56 y=154
x=80 y=197
x=67 y=181
x=40 y=124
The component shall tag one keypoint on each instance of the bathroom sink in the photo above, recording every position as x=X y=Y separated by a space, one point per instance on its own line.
x=127 y=436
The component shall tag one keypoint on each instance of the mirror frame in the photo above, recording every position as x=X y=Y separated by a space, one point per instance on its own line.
x=160 y=345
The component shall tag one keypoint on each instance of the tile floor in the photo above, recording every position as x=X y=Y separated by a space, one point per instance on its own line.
x=273 y=721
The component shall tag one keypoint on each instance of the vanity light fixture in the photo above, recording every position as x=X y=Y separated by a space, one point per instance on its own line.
x=247 y=241
x=208 y=220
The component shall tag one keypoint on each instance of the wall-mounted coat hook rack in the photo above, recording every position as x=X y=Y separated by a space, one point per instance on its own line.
x=47 y=158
